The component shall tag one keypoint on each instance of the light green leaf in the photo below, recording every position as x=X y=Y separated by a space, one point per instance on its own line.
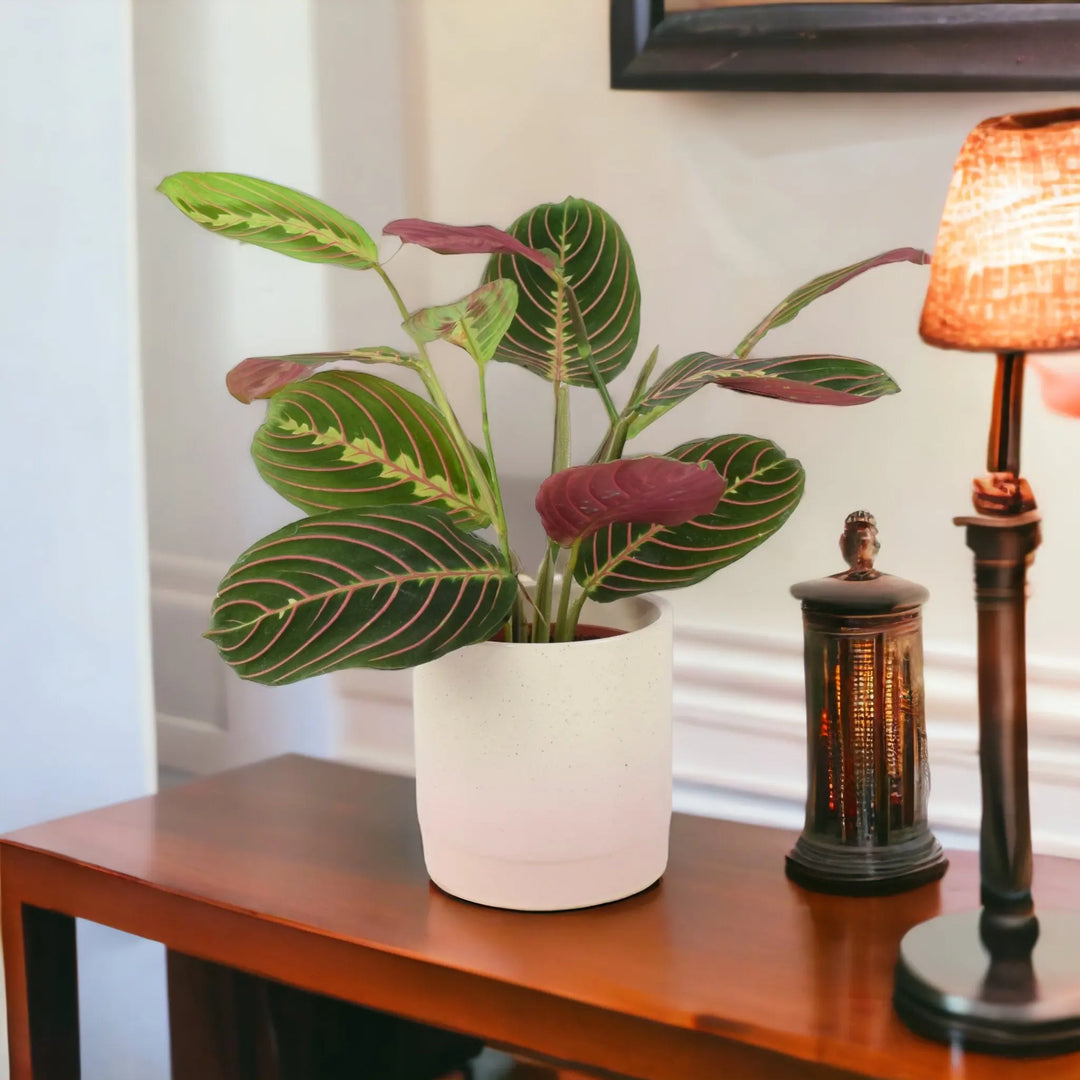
x=279 y=218
x=358 y=588
x=475 y=323
x=597 y=263
x=763 y=488
x=347 y=439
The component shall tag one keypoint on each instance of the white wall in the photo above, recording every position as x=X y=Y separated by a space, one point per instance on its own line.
x=275 y=89
x=76 y=722
x=473 y=110
x=730 y=200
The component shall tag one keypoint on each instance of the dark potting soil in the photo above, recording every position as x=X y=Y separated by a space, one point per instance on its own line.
x=584 y=633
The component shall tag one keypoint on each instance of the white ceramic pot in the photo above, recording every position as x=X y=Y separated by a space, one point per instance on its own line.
x=543 y=772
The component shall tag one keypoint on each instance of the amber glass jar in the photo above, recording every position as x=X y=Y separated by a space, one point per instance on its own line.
x=868 y=776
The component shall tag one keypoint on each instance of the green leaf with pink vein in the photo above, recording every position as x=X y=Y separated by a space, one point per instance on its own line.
x=816 y=379
x=349 y=439
x=385 y=588
x=272 y=216
x=262 y=376
x=475 y=323
x=806 y=294
x=763 y=488
x=594 y=258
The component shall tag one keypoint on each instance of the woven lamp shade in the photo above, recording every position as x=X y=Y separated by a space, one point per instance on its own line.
x=1005 y=276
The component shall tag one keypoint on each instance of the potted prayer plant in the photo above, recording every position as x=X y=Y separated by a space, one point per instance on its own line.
x=543 y=703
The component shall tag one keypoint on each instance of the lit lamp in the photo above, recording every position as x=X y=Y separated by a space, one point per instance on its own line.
x=1005 y=278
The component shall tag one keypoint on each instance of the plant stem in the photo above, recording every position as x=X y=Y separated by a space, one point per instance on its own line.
x=614 y=442
x=563 y=632
x=393 y=291
x=500 y=511
x=488 y=485
x=426 y=371
x=584 y=348
x=560 y=459
x=575 y=615
x=560 y=447
x=545 y=578
x=515 y=627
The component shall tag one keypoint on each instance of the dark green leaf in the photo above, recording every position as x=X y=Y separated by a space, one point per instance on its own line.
x=596 y=261
x=763 y=488
x=792 y=304
x=812 y=379
x=349 y=439
x=358 y=588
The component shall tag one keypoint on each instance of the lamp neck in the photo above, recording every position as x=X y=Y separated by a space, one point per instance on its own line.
x=1003 y=453
x=1004 y=491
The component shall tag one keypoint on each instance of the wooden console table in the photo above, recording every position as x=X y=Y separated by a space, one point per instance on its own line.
x=310 y=873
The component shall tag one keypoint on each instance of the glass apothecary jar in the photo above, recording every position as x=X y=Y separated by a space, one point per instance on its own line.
x=866 y=829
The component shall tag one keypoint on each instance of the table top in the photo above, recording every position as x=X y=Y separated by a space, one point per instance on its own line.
x=725 y=944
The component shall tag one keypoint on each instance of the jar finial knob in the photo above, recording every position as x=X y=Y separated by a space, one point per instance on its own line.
x=859 y=545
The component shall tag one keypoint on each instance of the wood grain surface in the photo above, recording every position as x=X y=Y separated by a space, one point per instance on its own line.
x=312 y=873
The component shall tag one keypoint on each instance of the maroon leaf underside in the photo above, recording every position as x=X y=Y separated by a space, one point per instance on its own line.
x=260 y=376
x=789 y=390
x=576 y=502
x=263 y=376
x=463 y=240
x=896 y=255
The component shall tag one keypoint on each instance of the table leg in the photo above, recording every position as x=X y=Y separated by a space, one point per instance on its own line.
x=41 y=978
x=219 y=1026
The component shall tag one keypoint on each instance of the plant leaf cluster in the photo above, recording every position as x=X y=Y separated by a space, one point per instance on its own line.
x=387 y=569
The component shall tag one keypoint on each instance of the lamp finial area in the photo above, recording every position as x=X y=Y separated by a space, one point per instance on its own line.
x=859 y=545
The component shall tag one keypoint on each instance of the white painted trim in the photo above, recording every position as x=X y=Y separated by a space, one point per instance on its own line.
x=181 y=590
x=191 y=746
x=739 y=711
x=197 y=579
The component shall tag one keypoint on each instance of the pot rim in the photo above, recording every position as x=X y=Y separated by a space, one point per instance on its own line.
x=660 y=606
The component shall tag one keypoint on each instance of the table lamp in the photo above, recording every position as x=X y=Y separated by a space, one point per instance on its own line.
x=1005 y=279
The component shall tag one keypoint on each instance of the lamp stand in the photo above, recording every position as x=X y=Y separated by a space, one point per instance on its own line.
x=999 y=980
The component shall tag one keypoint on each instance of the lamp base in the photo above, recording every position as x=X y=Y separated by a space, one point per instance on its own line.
x=946 y=988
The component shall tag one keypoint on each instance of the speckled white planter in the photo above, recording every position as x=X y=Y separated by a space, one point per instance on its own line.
x=543 y=772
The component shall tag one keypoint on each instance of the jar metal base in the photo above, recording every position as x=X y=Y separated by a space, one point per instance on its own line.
x=872 y=871
x=946 y=988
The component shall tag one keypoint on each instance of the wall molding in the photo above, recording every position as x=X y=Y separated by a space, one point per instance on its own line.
x=740 y=733
x=759 y=681
x=185 y=575
x=739 y=720
x=189 y=681
x=744 y=692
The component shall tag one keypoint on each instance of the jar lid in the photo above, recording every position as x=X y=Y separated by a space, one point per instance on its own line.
x=862 y=590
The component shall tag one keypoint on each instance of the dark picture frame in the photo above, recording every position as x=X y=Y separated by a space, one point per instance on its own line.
x=847 y=46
